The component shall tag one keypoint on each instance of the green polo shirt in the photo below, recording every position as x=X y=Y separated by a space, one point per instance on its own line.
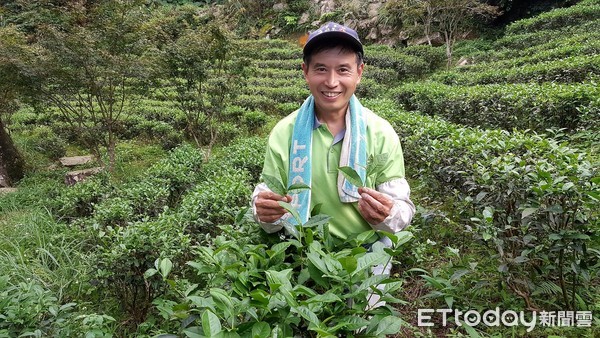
x=345 y=217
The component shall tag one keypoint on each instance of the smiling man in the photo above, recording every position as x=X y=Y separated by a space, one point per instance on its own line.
x=331 y=130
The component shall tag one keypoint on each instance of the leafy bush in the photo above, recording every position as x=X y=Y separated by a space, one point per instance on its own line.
x=522 y=106
x=405 y=66
x=569 y=70
x=279 y=64
x=246 y=153
x=254 y=120
x=526 y=40
x=124 y=254
x=79 y=200
x=556 y=19
x=216 y=199
x=532 y=199
x=305 y=285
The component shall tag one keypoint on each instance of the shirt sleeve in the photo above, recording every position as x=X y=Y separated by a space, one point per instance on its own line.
x=403 y=209
x=267 y=227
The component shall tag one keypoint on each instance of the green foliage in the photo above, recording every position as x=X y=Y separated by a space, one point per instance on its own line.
x=124 y=254
x=569 y=70
x=246 y=153
x=306 y=285
x=532 y=199
x=557 y=18
x=215 y=200
x=506 y=106
x=406 y=65
x=204 y=72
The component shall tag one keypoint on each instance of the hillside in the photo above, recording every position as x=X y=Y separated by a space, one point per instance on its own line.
x=501 y=155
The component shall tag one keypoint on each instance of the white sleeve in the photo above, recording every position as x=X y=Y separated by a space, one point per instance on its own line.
x=403 y=209
x=267 y=227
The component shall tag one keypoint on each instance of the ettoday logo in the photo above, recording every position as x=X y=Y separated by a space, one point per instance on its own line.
x=496 y=317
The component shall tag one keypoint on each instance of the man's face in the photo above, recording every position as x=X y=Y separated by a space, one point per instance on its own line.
x=332 y=77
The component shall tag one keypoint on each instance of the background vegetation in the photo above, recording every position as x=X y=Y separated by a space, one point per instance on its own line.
x=175 y=99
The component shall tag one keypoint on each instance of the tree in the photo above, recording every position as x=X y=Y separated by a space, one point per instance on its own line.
x=454 y=17
x=200 y=63
x=91 y=67
x=450 y=18
x=12 y=44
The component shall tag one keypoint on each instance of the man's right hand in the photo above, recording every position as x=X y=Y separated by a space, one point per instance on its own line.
x=267 y=208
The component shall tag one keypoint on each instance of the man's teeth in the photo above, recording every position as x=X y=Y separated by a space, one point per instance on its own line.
x=331 y=94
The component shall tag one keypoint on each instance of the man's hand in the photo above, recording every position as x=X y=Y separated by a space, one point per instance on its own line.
x=267 y=208
x=374 y=206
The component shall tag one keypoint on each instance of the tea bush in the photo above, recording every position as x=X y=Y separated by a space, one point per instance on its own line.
x=530 y=198
x=279 y=64
x=557 y=18
x=216 y=199
x=124 y=254
x=522 y=106
x=300 y=286
x=405 y=66
x=569 y=70
x=246 y=153
x=572 y=47
x=525 y=40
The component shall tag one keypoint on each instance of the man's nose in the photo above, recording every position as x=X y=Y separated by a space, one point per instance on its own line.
x=332 y=79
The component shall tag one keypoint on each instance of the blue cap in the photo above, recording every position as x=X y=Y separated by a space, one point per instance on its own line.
x=332 y=30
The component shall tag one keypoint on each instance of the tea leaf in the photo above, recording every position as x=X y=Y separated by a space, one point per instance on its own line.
x=317 y=220
x=298 y=186
x=165 y=267
x=291 y=210
x=261 y=329
x=352 y=176
x=211 y=325
x=274 y=184
x=389 y=325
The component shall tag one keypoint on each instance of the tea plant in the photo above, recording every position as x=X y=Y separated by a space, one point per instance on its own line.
x=310 y=286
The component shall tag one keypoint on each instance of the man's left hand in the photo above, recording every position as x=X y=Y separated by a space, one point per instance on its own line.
x=374 y=206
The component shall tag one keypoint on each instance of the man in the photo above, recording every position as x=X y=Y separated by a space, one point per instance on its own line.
x=331 y=130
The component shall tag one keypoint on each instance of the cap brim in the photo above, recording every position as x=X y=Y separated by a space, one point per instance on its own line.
x=332 y=36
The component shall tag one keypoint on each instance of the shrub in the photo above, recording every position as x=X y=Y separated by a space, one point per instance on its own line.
x=254 y=120
x=569 y=70
x=79 y=200
x=556 y=19
x=305 y=285
x=216 y=199
x=124 y=254
x=405 y=66
x=246 y=153
x=522 y=106
x=530 y=198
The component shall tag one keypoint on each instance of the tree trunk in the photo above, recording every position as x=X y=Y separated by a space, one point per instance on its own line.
x=11 y=163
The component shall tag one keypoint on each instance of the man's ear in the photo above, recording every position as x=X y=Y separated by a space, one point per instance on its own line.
x=359 y=71
x=305 y=70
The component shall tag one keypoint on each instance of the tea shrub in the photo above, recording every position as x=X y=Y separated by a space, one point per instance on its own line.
x=124 y=254
x=530 y=198
x=557 y=18
x=246 y=153
x=531 y=106
x=300 y=286
x=216 y=199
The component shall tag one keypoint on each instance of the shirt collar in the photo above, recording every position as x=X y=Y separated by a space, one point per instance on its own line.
x=337 y=138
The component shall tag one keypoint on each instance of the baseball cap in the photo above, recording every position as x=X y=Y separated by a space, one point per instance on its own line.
x=332 y=31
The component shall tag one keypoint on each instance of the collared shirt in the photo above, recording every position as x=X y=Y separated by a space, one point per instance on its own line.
x=326 y=150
